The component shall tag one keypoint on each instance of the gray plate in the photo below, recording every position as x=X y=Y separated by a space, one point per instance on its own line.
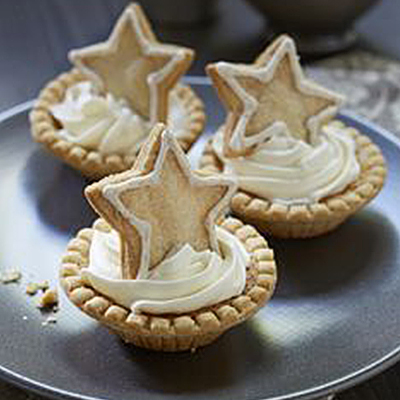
x=333 y=322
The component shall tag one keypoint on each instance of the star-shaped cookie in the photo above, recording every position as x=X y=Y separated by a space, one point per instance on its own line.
x=270 y=96
x=134 y=66
x=160 y=205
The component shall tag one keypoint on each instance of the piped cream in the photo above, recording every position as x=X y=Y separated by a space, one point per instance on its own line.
x=186 y=281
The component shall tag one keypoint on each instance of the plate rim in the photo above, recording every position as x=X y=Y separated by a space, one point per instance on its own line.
x=331 y=387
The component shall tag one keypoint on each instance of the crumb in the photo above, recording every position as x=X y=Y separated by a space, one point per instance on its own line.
x=49 y=299
x=32 y=288
x=49 y=320
x=11 y=276
x=43 y=285
x=25 y=318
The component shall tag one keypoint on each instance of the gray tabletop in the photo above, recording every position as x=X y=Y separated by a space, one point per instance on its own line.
x=35 y=37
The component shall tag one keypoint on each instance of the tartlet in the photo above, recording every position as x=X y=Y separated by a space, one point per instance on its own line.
x=275 y=117
x=303 y=221
x=188 y=307
x=170 y=332
x=142 y=77
x=91 y=162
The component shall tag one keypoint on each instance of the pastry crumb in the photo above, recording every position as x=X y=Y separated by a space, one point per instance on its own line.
x=43 y=285
x=11 y=276
x=49 y=299
x=50 y=320
x=55 y=308
x=33 y=287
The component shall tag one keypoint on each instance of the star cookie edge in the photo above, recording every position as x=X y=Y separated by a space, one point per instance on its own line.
x=224 y=76
x=104 y=195
x=180 y=59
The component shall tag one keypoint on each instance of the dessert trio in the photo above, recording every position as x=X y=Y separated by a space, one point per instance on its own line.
x=164 y=267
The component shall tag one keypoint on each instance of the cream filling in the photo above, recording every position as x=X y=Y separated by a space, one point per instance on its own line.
x=186 y=281
x=288 y=170
x=107 y=124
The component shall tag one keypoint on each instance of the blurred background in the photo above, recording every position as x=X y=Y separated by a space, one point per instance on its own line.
x=35 y=36
x=352 y=46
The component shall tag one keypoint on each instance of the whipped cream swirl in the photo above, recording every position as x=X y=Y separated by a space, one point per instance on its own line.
x=186 y=281
x=290 y=171
x=107 y=124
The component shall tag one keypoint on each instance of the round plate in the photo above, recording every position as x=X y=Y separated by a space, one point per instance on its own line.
x=332 y=322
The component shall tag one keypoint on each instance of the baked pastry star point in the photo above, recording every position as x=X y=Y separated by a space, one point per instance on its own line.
x=160 y=205
x=271 y=96
x=131 y=64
